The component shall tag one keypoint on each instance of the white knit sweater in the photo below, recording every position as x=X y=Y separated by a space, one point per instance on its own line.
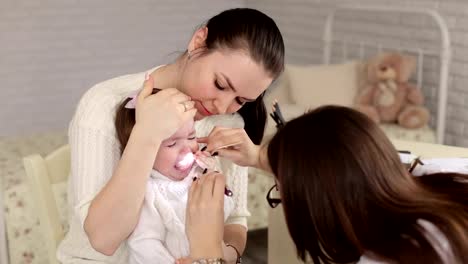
x=95 y=153
x=159 y=236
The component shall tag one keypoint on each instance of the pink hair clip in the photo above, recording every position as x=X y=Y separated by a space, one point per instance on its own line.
x=133 y=96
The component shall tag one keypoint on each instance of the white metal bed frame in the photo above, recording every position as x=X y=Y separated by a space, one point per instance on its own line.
x=444 y=52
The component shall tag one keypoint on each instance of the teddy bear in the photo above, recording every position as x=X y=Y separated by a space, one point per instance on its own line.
x=388 y=97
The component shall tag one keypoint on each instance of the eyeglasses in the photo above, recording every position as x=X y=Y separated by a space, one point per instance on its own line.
x=273 y=202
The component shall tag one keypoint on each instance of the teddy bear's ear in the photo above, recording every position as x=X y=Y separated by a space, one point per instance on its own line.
x=372 y=66
x=407 y=67
x=362 y=78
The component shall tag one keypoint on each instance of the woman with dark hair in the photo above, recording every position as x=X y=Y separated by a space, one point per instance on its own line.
x=220 y=81
x=346 y=195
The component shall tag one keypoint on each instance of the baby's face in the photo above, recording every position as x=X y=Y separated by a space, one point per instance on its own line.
x=173 y=150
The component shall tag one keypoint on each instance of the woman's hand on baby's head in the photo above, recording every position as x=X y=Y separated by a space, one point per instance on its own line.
x=159 y=115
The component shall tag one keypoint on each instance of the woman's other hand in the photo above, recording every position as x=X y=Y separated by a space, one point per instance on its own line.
x=205 y=216
x=159 y=115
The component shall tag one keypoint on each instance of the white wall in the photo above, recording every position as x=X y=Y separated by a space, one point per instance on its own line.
x=301 y=22
x=51 y=52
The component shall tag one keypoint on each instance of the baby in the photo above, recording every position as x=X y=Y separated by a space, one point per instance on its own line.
x=159 y=236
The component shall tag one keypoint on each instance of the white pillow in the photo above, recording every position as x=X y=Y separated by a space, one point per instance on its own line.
x=279 y=90
x=315 y=85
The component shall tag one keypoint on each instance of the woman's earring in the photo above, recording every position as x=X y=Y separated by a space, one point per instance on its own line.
x=189 y=55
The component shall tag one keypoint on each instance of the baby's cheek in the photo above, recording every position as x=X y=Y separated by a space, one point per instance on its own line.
x=165 y=160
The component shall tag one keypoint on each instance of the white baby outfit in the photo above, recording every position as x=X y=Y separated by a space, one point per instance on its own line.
x=159 y=236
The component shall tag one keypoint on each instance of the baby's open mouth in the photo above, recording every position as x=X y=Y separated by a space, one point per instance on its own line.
x=186 y=162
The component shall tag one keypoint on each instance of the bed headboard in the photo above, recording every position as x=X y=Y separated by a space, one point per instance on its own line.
x=352 y=48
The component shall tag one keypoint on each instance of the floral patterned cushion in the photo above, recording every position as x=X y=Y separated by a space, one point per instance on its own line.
x=23 y=235
x=424 y=134
x=23 y=232
x=259 y=184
